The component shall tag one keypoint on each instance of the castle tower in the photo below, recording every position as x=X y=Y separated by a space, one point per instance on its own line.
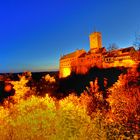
x=95 y=39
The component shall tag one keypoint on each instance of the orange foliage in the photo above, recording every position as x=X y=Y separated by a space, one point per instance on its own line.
x=124 y=98
x=84 y=117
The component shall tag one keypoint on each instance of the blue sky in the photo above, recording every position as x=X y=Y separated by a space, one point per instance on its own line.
x=34 y=33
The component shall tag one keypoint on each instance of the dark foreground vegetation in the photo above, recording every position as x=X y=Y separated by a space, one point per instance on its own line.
x=104 y=104
x=76 y=83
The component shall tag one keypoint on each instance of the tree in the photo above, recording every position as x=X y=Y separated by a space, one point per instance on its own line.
x=137 y=41
x=112 y=46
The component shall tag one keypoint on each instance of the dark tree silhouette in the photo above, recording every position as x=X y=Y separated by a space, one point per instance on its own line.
x=112 y=46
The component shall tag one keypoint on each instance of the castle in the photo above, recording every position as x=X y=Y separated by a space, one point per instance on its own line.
x=81 y=61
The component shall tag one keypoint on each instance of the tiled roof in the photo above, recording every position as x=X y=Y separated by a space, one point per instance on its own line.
x=83 y=55
x=123 y=50
x=114 y=53
x=127 y=49
x=73 y=54
x=100 y=50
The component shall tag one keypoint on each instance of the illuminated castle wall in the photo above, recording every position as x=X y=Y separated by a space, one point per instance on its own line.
x=69 y=62
x=81 y=61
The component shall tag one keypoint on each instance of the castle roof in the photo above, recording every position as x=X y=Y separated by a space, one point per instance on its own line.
x=83 y=55
x=73 y=54
x=114 y=53
x=124 y=50
x=127 y=49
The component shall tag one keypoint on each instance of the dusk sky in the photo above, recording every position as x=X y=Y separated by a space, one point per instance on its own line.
x=34 y=33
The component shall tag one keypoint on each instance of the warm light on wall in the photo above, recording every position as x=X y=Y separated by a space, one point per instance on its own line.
x=81 y=61
x=66 y=72
x=117 y=63
x=126 y=63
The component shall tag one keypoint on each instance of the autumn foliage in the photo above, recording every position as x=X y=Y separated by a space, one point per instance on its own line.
x=89 y=116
